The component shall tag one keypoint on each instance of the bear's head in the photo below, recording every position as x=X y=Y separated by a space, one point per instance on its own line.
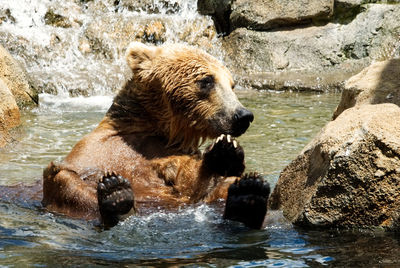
x=188 y=92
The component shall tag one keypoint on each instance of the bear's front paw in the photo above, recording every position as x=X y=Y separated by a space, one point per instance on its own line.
x=225 y=156
x=247 y=200
x=115 y=198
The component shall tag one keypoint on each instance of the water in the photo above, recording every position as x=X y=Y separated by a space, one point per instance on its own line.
x=77 y=70
x=193 y=236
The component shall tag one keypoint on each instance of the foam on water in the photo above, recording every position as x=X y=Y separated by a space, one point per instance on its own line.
x=63 y=103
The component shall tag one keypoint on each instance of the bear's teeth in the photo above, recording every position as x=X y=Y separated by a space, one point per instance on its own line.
x=228 y=137
x=220 y=138
x=234 y=143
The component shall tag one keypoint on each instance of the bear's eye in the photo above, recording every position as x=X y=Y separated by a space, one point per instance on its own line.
x=206 y=83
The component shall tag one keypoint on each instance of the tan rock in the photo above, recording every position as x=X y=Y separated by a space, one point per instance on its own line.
x=264 y=15
x=378 y=83
x=117 y=32
x=348 y=175
x=9 y=113
x=15 y=78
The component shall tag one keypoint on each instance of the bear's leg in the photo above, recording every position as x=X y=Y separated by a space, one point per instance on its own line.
x=225 y=157
x=115 y=198
x=247 y=200
x=65 y=192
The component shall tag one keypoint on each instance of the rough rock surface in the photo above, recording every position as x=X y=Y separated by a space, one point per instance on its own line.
x=57 y=20
x=15 y=78
x=324 y=50
x=349 y=175
x=220 y=12
x=378 y=83
x=116 y=32
x=265 y=15
x=9 y=113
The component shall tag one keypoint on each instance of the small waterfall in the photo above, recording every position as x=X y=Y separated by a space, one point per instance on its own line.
x=76 y=47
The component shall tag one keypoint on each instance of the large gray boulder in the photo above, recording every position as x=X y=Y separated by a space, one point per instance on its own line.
x=378 y=83
x=321 y=56
x=265 y=15
x=348 y=175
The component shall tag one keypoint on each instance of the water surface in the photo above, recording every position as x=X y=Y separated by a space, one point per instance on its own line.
x=192 y=236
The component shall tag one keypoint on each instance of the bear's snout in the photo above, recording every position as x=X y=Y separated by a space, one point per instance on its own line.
x=241 y=121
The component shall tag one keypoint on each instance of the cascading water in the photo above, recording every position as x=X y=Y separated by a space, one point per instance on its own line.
x=77 y=47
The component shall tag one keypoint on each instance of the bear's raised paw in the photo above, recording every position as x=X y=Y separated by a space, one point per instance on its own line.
x=225 y=156
x=247 y=200
x=115 y=198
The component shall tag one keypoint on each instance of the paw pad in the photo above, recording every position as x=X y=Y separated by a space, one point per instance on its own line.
x=115 y=198
x=247 y=200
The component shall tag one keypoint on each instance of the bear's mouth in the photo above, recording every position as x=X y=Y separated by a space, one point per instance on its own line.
x=237 y=131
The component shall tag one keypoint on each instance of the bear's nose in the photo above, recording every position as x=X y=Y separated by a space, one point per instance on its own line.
x=241 y=121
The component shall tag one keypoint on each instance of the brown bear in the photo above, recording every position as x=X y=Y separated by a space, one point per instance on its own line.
x=145 y=152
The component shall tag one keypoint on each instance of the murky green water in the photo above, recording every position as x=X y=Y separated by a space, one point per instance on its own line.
x=194 y=236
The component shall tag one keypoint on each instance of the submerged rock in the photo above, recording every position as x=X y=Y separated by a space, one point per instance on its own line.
x=348 y=175
x=378 y=83
x=15 y=78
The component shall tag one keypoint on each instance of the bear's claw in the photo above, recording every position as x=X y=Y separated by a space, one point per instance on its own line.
x=225 y=156
x=247 y=200
x=115 y=198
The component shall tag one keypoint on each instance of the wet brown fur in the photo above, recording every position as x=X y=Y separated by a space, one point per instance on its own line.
x=150 y=135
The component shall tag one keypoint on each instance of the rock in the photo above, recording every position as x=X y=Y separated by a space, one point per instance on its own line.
x=57 y=20
x=305 y=80
x=324 y=50
x=9 y=113
x=5 y=16
x=115 y=33
x=349 y=3
x=265 y=15
x=346 y=10
x=378 y=83
x=15 y=78
x=348 y=175
x=220 y=12
x=153 y=32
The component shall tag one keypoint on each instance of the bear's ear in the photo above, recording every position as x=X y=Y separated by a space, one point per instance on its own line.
x=139 y=53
